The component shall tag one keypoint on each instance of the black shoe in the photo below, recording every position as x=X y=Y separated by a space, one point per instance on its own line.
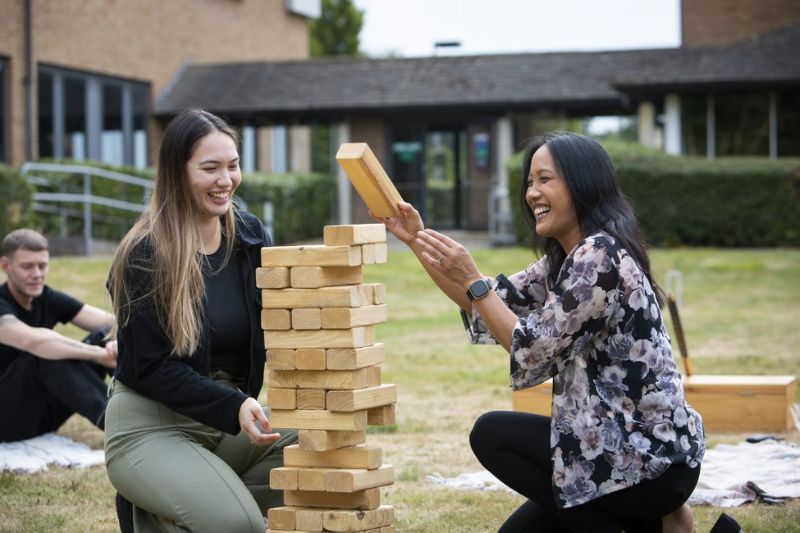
x=124 y=514
x=726 y=524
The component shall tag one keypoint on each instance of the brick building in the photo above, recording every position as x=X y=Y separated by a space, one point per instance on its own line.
x=78 y=78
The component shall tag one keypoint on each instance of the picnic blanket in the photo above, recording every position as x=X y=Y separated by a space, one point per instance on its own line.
x=731 y=475
x=33 y=455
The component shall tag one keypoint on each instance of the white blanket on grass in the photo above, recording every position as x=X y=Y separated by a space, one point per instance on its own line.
x=33 y=455
x=773 y=466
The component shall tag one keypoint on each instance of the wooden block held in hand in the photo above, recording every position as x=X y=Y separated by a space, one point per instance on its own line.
x=369 y=179
x=310 y=255
x=356 y=400
x=364 y=457
x=352 y=358
x=310 y=399
x=351 y=317
x=314 y=277
x=381 y=416
x=272 y=278
x=320 y=440
x=276 y=319
x=307 y=318
x=362 y=499
x=318 y=420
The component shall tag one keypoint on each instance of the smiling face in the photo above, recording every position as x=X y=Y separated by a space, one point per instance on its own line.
x=26 y=273
x=213 y=173
x=551 y=202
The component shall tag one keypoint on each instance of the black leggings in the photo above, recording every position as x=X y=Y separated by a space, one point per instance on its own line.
x=515 y=447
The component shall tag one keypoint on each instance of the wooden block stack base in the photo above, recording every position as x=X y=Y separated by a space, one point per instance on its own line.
x=325 y=380
x=726 y=403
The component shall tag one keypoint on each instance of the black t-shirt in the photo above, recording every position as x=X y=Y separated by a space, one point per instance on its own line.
x=227 y=314
x=47 y=310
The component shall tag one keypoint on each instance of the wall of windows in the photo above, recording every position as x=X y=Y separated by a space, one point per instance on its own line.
x=84 y=116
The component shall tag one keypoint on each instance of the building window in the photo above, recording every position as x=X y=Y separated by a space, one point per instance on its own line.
x=249 y=159
x=788 y=111
x=742 y=123
x=280 y=149
x=3 y=111
x=693 y=124
x=84 y=116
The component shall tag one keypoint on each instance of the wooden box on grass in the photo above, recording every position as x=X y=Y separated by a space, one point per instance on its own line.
x=726 y=403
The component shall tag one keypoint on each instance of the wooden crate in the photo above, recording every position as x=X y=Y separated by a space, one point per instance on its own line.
x=726 y=403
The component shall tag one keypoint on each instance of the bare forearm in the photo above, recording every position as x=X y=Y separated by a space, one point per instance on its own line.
x=49 y=344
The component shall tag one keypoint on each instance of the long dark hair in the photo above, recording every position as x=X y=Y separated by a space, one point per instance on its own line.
x=596 y=195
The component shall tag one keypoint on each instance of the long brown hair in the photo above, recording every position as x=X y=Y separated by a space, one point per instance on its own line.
x=167 y=227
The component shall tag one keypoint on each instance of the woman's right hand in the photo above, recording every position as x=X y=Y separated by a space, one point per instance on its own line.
x=255 y=424
x=406 y=225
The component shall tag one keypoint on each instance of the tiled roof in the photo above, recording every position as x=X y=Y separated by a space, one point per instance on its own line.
x=488 y=82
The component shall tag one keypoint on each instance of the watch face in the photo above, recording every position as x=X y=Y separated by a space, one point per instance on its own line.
x=479 y=289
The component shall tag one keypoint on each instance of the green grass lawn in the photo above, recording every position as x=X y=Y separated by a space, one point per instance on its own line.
x=740 y=315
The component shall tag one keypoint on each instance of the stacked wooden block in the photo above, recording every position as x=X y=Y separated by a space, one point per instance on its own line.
x=325 y=380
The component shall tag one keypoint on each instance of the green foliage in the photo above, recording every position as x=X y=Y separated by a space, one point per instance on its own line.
x=691 y=201
x=301 y=202
x=336 y=31
x=15 y=200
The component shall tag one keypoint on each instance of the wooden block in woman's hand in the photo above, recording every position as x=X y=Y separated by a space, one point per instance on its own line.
x=369 y=178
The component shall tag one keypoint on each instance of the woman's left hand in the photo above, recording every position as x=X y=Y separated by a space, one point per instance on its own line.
x=251 y=415
x=448 y=257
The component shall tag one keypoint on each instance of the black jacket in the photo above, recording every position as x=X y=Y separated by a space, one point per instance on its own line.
x=145 y=365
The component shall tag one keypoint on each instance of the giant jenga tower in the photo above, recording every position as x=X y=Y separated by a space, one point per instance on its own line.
x=325 y=380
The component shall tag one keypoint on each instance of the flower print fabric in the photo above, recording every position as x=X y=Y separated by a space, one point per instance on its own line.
x=619 y=413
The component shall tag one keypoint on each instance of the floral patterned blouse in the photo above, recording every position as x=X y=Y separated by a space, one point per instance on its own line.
x=619 y=415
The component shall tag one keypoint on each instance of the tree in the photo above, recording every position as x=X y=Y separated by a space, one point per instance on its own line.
x=336 y=31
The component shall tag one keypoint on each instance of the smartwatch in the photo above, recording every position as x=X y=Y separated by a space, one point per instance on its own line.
x=478 y=289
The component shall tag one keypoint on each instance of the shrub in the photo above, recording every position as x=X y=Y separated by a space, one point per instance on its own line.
x=15 y=200
x=737 y=202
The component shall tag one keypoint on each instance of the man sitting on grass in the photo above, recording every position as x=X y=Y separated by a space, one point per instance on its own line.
x=45 y=377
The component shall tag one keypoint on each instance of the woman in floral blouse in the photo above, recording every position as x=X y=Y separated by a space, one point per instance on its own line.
x=622 y=449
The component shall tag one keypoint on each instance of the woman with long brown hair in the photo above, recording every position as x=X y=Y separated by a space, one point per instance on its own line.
x=186 y=440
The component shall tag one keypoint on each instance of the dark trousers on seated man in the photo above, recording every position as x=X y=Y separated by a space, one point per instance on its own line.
x=38 y=395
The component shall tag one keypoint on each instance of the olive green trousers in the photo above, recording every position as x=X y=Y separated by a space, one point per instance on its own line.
x=182 y=475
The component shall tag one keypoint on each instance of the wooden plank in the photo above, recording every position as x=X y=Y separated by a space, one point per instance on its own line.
x=313 y=277
x=325 y=379
x=364 y=457
x=308 y=520
x=344 y=479
x=276 y=319
x=381 y=253
x=352 y=358
x=351 y=317
x=361 y=499
x=309 y=399
x=283 y=478
x=358 y=520
x=320 y=441
x=323 y=338
x=281 y=359
x=344 y=296
x=367 y=254
x=349 y=234
x=356 y=400
x=278 y=398
x=369 y=179
x=281 y=518
x=272 y=278
x=311 y=359
x=307 y=318
x=378 y=293
x=318 y=420
x=381 y=416
x=310 y=255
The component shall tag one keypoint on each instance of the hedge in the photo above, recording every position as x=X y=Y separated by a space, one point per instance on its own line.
x=302 y=203
x=15 y=200
x=734 y=202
